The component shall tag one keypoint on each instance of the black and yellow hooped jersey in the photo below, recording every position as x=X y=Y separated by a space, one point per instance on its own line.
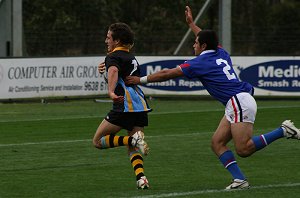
x=134 y=98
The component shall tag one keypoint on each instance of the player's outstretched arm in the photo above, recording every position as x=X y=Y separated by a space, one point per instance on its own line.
x=163 y=75
x=190 y=21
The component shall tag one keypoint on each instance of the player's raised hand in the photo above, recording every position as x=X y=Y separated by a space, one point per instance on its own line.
x=132 y=80
x=190 y=21
x=101 y=68
x=188 y=15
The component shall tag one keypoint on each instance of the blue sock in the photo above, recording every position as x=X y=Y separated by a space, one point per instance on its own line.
x=229 y=162
x=262 y=141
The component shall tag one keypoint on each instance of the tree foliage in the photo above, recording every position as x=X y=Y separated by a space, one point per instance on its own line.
x=77 y=27
x=268 y=27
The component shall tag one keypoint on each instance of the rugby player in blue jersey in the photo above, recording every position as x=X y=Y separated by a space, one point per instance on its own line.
x=130 y=107
x=213 y=67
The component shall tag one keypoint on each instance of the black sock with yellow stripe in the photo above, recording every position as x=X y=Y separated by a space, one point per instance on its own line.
x=111 y=141
x=137 y=162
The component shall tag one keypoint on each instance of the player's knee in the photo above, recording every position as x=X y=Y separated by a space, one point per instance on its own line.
x=243 y=152
x=97 y=143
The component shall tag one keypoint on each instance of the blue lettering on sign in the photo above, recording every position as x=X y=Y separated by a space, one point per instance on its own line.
x=177 y=84
x=283 y=75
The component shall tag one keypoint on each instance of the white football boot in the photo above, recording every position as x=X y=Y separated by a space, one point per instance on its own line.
x=289 y=130
x=142 y=183
x=238 y=184
x=139 y=142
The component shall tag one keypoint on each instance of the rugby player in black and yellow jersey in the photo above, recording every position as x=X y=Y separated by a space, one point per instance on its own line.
x=130 y=107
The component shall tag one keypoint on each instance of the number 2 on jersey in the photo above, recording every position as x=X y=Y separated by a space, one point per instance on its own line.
x=226 y=69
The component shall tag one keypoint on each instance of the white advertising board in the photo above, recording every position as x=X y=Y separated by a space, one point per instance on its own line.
x=50 y=77
x=270 y=76
x=78 y=76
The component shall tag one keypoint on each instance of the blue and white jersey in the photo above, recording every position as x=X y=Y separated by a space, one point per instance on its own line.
x=214 y=69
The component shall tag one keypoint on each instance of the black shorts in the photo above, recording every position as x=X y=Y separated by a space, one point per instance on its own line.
x=128 y=120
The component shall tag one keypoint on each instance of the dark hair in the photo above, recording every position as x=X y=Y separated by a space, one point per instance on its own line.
x=122 y=32
x=210 y=38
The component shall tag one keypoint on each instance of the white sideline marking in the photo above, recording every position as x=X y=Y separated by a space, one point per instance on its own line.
x=48 y=142
x=178 y=194
x=101 y=116
x=152 y=113
x=89 y=140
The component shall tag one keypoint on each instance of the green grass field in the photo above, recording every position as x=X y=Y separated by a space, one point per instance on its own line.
x=46 y=151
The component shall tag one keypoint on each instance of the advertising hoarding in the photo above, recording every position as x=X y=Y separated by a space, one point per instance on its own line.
x=78 y=76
